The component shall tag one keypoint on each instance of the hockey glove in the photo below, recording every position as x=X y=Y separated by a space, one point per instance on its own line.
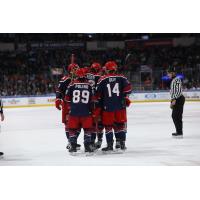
x=128 y=101
x=58 y=104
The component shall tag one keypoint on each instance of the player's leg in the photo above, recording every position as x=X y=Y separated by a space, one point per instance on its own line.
x=77 y=135
x=120 y=135
x=65 y=117
x=78 y=146
x=87 y=125
x=93 y=134
x=67 y=135
x=73 y=140
x=108 y=122
x=1 y=153
x=73 y=125
x=99 y=135
x=120 y=129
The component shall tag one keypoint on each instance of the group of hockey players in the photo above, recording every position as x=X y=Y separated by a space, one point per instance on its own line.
x=94 y=99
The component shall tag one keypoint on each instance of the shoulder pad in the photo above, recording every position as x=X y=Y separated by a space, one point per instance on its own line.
x=64 y=78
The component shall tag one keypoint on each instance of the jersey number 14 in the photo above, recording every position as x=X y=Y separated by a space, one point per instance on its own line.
x=115 y=89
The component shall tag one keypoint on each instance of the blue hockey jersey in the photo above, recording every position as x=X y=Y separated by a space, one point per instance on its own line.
x=80 y=97
x=111 y=91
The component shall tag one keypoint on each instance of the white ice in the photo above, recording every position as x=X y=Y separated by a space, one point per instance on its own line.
x=35 y=136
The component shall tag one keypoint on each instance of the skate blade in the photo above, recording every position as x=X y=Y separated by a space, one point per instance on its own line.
x=77 y=148
x=73 y=153
x=89 y=154
x=178 y=137
x=108 y=152
x=119 y=151
x=96 y=150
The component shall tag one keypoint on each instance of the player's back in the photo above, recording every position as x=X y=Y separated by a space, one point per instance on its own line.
x=79 y=94
x=112 y=89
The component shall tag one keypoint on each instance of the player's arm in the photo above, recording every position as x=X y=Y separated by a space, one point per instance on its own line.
x=127 y=89
x=68 y=97
x=99 y=89
x=58 y=101
x=60 y=92
x=97 y=102
x=1 y=110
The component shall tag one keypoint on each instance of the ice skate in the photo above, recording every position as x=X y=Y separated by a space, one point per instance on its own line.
x=120 y=146
x=73 y=150
x=123 y=146
x=117 y=145
x=68 y=145
x=108 y=149
x=177 y=135
x=89 y=151
x=98 y=144
x=78 y=146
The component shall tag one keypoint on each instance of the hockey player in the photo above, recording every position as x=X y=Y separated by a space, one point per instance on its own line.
x=93 y=76
x=79 y=96
x=112 y=90
x=60 y=102
x=2 y=117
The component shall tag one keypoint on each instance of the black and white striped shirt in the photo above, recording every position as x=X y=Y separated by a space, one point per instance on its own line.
x=1 y=106
x=176 y=88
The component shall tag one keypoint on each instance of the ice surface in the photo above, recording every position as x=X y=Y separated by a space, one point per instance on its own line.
x=35 y=136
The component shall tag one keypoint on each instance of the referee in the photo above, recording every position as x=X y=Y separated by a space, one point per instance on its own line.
x=177 y=102
x=2 y=117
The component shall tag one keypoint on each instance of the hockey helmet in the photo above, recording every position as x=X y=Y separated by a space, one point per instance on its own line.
x=80 y=73
x=72 y=67
x=111 y=66
x=96 y=66
x=86 y=69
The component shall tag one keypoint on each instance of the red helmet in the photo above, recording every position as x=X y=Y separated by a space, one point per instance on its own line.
x=111 y=66
x=86 y=69
x=72 y=67
x=96 y=66
x=80 y=73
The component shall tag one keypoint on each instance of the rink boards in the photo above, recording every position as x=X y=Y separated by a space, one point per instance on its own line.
x=37 y=101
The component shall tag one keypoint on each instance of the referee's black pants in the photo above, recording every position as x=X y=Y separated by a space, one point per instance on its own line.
x=177 y=114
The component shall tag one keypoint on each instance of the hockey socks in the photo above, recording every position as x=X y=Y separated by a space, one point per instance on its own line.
x=93 y=137
x=109 y=137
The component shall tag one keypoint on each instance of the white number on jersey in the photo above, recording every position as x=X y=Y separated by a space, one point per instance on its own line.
x=115 y=89
x=79 y=96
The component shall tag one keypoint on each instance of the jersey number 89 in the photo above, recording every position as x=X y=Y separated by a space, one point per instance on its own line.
x=81 y=96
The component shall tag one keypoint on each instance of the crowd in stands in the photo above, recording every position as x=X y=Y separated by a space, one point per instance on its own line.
x=33 y=37
x=186 y=60
x=29 y=72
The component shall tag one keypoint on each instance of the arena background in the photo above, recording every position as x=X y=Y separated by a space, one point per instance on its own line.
x=32 y=64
